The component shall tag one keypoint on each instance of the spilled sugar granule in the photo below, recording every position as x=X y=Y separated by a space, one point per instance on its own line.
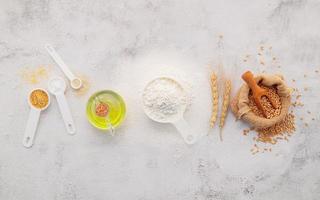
x=86 y=85
x=35 y=74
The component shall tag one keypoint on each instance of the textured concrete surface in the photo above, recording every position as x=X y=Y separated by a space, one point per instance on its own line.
x=121 y=45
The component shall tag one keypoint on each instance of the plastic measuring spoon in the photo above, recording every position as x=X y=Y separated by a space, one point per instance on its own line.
x=57 y=87
x=33 y=119
x=186 y=131
x=75 y=82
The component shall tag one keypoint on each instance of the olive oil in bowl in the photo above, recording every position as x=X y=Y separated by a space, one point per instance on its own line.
x=116 y=109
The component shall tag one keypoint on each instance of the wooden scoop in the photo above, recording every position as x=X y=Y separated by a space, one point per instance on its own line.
x=257 y=92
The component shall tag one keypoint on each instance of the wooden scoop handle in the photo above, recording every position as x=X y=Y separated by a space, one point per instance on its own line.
x=257 y=91
x=249 y=79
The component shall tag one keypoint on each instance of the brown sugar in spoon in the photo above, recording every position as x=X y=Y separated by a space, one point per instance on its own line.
x=257 y=92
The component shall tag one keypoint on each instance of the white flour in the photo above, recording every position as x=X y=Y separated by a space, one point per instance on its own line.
x=164 y=99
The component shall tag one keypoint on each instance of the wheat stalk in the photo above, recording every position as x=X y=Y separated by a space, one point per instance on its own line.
x=215 y=98
x=225 y=105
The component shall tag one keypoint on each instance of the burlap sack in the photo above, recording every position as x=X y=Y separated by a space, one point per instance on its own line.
x=239 y=104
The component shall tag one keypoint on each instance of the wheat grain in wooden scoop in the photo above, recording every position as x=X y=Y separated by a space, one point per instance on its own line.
x=257 y=92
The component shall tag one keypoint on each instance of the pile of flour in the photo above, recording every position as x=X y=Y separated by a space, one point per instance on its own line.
x=163 y=99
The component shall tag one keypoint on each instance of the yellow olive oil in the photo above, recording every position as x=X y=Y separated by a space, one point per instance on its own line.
x=116 y=109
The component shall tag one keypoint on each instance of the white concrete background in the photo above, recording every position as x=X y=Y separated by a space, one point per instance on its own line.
x=121 y=45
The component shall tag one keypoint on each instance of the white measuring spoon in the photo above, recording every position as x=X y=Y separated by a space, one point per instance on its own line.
x=186 y=131
x=33 y=120
x=75 y=82
x=57 y=87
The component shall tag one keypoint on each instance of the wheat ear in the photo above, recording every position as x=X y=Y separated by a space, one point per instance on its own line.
x=225 y=105
x=215 y=98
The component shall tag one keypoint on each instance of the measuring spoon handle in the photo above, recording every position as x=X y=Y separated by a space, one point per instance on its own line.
x=31 y=128
x=188 y=134
x=66 y=114
x=60 y=62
